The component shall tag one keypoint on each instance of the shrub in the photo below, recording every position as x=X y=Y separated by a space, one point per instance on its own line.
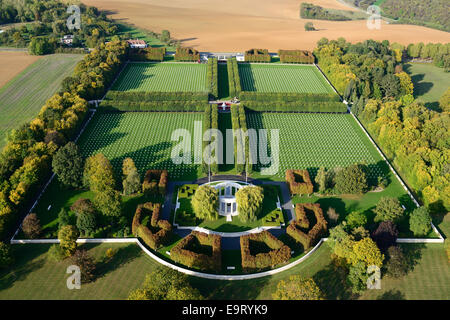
x=82 y=206
x=298 y=288
x=302 y=222
x=31 y=226
x=6 y=258
x=249 y=201
x=188 y=251
x=356 y=219
x=388 y=209
x=155 y=182
x=352 y=180
x=397 y=265
x=160 y=230
x=55 y=253
x=86 y=222
x=68 y=236
x=63 y=218
x=279 y=252
x=205 y=202
x=385 y=235
x=131 y=180
x=420 y=221
x=309 y=26
x=85 y=262
x=299 y=182
x=257 y=55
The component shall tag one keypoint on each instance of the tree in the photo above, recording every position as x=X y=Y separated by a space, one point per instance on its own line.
x=86 y=222
x=322 y=179
x=165 y=36
x=63 y=218
x=165 y=284
x=205 y=202
x=333 y=216
x=82 y=206
x=249 y=201
x=40 y=46
x=6 y=258
x=366 y=251
x=385 y=235
x=68 y=165
x=68 y=236
x=356 y=219
x=298 y=288
x=444 y=101
x=131 y=180
x=309 y=26
x=420 y=221
x=31 y=226
x=388 y=209
x=352 y=179
x=86 y=263
x=357 y=277
x=397 y=265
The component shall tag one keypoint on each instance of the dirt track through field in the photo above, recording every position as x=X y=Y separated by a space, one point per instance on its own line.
x=12 y=63
x=236 y=25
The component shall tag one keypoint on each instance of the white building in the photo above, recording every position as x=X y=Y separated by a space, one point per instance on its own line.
x=67 y=39
x=141 y=44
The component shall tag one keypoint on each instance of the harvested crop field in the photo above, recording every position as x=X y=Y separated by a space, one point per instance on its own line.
x=283 y=78
x=12 y=63
x=163 y=77
x=233 y=25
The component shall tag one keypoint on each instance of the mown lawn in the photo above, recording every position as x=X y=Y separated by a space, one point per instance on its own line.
x=23 y=97
x=430 y=82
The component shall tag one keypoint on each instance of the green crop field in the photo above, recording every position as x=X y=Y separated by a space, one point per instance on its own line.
x=145 y=137
x=23 y=97
x=309 y=141
x=163 y=77
x=282 y=78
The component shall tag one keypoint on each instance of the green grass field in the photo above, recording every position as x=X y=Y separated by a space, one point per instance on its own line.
x=282 y=78
x=23 y=97
x=132 y=32
x=33 y=277
x=145 y=137
x=309 y=141
x=163 y=77
x=430 y=82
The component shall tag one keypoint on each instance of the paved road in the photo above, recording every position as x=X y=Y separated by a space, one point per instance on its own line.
x=229 y=243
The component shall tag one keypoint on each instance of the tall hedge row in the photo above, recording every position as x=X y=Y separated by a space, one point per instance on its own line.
x=212 y=77
x=280 y=253
x=170 y=106
x=239 y=121
x=257 y=55
x=234 y=80
x=147 y=54
x=288 y=97
x=145 y=96
x=315 y=107
x=296 y=56
x=186 y=54
x=210 y=121
x=185 y=252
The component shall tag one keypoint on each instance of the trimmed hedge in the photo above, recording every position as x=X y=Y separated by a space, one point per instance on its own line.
x=161 y=229
x=314 y=107
x=212 y=77
x=239 y=121
x=183 y=252
x=280 y=253
x=305 y=187
x=302 y=222
x=155 y=182
x=124 y=106
x=234 y=80
x=257 y=55
x=296 y=56
x=144 y=96
x=210 y=121
x=147 y=54
x=187 y=54
x=288 y=97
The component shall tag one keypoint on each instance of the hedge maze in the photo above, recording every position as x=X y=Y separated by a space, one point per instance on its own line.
x=302 y=229
x=199 y=251
x=299 y=182
x=262 y=250
x=311 y=141
x=158 y=232
x=155 y=182
x=163 y=77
